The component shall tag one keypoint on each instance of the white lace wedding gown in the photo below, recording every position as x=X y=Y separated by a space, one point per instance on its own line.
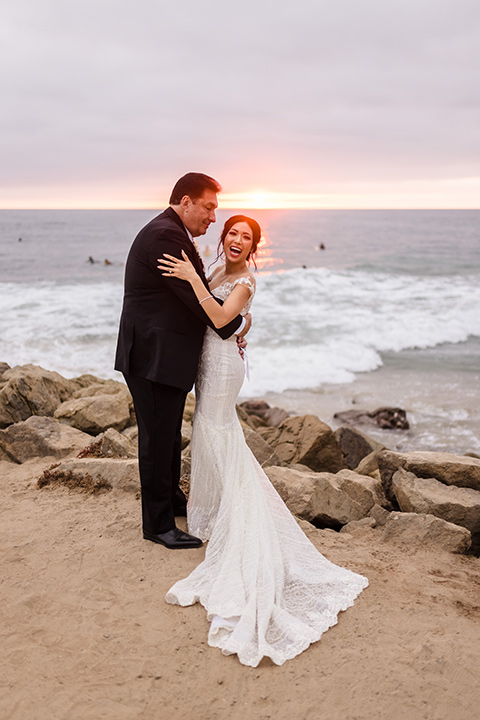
x=266 y=589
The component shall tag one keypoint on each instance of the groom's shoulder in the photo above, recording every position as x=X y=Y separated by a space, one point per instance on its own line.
x=167 y=222
x=164 y=225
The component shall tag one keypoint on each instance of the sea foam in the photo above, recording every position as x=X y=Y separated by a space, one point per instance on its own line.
x=310 y=326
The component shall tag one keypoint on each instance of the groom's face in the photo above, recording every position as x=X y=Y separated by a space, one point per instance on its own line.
x=200 y=213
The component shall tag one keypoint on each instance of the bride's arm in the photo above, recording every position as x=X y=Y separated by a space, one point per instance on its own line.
x=220 y=315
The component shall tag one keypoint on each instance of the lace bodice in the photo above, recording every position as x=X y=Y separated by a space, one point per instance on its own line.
x=224 y=290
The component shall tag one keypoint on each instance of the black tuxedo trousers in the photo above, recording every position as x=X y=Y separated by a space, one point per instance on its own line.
x=159 y=411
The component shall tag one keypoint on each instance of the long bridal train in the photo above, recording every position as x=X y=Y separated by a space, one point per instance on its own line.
x=267 y=591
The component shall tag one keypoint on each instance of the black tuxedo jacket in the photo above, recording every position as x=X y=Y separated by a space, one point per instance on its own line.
x=162 y=323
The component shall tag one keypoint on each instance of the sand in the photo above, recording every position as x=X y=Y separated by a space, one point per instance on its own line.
x=87 y=635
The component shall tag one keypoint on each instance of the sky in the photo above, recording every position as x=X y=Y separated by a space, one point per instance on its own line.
x=308 y=103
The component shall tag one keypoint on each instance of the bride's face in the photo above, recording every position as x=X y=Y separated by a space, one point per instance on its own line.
x=238 y=243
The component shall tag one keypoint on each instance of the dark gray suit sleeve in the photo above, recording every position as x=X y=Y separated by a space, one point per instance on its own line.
x=184 y=291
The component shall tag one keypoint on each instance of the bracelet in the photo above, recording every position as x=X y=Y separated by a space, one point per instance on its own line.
x=205 y=298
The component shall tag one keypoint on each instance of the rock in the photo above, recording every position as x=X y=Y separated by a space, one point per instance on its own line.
x=40 y=437
x=30 y=390
x=94 y=474
x=246 y=420
x=387 y=418
x=185 y=470
x=111 y=444
x=427 y=495
x=263 y=452
x=132 y=434
x=420 y=530
x=325 y=498
x=379 y=514
x=369 y=465
x=186 y=434
x=355 y=445
x=447 y=468
x=267 y=415
x=189 y=407
x=307 y=440
x=359 y=525
x=95 y=414
x=3 y=369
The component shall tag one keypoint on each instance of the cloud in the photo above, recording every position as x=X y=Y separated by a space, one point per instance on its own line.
x=304 y=97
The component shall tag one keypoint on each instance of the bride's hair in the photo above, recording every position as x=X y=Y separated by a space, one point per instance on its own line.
x=256 y=235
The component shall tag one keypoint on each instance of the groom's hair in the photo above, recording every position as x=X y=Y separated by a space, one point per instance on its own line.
x=194 y=185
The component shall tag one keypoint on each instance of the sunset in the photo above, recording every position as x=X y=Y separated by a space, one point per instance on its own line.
x=240 y=319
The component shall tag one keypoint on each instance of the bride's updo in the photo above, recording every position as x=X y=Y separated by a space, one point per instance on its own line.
x=256 y=234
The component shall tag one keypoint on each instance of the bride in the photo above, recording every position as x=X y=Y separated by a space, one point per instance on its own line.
x=267 y=591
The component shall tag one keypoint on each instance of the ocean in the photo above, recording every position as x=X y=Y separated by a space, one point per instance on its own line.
x=355 y=309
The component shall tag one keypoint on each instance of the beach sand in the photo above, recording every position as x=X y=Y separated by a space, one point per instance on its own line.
x=87 y=635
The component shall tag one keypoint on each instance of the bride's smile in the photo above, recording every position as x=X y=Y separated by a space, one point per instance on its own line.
x=238 y=244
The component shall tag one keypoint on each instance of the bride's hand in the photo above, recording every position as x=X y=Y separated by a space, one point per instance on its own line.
x=173 y=267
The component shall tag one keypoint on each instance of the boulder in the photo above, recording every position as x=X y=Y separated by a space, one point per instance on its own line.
x=3 y=369
x=420 y=530
x=355 y=445
x=427 y=495
x=185 y=470
x=326 y=499
x=369 y=465
x=186 y=434
x=131 y=433
x=189 y=407
x=359 y=526
x=387 y=418
x=94 y=474
x=96 y=413
x=246 y=420
x=40 y=437
x=110 y=444
x=263 y=452
x=379 y=514
x=265 y=414
x=30 y=390
x=447 y=468
x=306 y=440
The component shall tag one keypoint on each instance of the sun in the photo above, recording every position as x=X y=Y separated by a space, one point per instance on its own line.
x=253 y=199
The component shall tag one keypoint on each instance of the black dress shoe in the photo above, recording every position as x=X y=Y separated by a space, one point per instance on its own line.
x=174 y=539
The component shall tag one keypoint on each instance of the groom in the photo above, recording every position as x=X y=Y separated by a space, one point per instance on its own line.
x=159 y=343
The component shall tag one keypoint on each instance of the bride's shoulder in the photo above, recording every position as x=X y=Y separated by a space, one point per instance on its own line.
x=248 y=280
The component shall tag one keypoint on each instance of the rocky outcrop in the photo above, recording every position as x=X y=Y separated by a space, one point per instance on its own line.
x=264 y=453
x=326 y=499
x=355 y=445
x=387 y=418
x=449 y=469
x=369 y=465
x=110 y=444
x=97 y=407
x=30 y=390
x=94 y=474
x=422 y=530
x=40 y=437
x=427 y=495
x=189 y=408
x=306 y=440
x=261 y=414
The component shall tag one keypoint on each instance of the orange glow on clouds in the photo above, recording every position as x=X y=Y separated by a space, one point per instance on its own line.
x=448 y=193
